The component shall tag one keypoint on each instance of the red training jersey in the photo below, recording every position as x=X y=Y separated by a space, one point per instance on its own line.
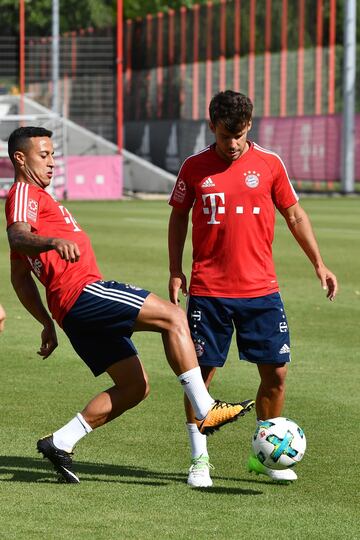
x=63 y=280
x=233 y=219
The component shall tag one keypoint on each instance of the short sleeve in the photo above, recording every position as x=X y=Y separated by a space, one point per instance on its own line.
x=183 y=195
x=283 y=193
x=22 y=205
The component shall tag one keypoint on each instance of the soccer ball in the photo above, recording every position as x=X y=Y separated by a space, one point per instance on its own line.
x=279 y=443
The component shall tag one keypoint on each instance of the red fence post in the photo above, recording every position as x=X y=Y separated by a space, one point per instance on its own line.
x=195 y=92
x=300 y=63
x=332 y=38
x=159 y=62
x=149 y=44
x=182 y=57
x=318 y=61
x=119 y=85
x=222 y=59
x=267 y=59
x=252 y=30
x=208 y=69
x=237 y=42
x=128 y=71
x=73 y=55
x=22 y=54
x=171 y=58
x=283 y=68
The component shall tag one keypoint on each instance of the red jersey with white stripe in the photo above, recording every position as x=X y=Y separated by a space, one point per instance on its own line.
x=63 y=280
x=233 y=218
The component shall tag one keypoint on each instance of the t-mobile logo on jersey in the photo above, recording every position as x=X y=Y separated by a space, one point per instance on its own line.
x=217 y=201
x=217 y=205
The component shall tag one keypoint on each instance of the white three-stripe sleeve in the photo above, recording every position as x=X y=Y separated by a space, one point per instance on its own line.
x=21 y=201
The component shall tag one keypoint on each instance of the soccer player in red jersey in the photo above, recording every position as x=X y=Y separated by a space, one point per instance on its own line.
x=98 y=316
x=233 y=188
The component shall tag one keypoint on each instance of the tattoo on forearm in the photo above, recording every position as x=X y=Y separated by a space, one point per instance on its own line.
x=28 y=243
x=296 y=221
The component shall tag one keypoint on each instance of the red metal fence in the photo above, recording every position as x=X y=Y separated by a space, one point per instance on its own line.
x=286 y=55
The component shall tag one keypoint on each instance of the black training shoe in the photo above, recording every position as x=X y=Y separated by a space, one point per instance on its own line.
x=59 y=458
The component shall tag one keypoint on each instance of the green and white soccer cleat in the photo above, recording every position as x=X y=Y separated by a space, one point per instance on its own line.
x=284 y=476
x=199 y=472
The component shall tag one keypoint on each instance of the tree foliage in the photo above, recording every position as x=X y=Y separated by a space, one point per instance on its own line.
x=77 y=14
x=99 y=14
x=74 y=15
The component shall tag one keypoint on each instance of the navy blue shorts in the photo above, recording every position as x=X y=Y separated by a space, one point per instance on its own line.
x=101 y=322
x=262 y=333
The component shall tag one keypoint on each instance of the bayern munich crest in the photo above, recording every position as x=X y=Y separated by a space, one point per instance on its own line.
x=199 y=347
x=252 y=179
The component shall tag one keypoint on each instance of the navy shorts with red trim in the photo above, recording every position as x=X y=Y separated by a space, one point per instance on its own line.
x=262 y=333
x=101 y=322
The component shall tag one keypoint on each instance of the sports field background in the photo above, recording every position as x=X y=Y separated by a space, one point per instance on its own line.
x=133 y=471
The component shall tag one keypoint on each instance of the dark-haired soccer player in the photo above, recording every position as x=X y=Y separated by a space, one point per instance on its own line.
x=98 y=316
x=233 y=188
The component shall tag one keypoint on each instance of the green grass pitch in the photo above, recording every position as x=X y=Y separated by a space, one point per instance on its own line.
x=133 y=471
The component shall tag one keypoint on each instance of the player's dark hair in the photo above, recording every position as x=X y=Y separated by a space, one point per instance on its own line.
x=231 y=109
x=19 y=139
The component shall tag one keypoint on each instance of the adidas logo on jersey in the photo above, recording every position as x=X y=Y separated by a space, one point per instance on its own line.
x=284 y=349
x=208 y=183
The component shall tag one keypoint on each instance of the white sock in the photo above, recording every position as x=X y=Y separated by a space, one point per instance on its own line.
x=195 y=389
x=197 y=441
x=67 y=436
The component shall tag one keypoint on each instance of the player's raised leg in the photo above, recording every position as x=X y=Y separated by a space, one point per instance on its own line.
x=159 y=315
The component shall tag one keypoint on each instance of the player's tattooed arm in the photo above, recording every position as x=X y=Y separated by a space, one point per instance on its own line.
x=22 y=240
x=300 y=226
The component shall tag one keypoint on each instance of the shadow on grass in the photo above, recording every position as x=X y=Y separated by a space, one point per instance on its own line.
x=29 y=470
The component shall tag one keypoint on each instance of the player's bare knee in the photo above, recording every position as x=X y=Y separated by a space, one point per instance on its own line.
x=146 y=390
x=178 y=322
x=141 y=389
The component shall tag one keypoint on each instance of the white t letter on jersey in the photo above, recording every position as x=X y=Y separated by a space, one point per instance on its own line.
x=214 y=208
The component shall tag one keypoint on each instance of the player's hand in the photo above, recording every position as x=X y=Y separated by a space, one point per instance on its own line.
x=328 y=282
x=177 y=282
x=2 y=318
x=68 y=250
x=49 y=341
